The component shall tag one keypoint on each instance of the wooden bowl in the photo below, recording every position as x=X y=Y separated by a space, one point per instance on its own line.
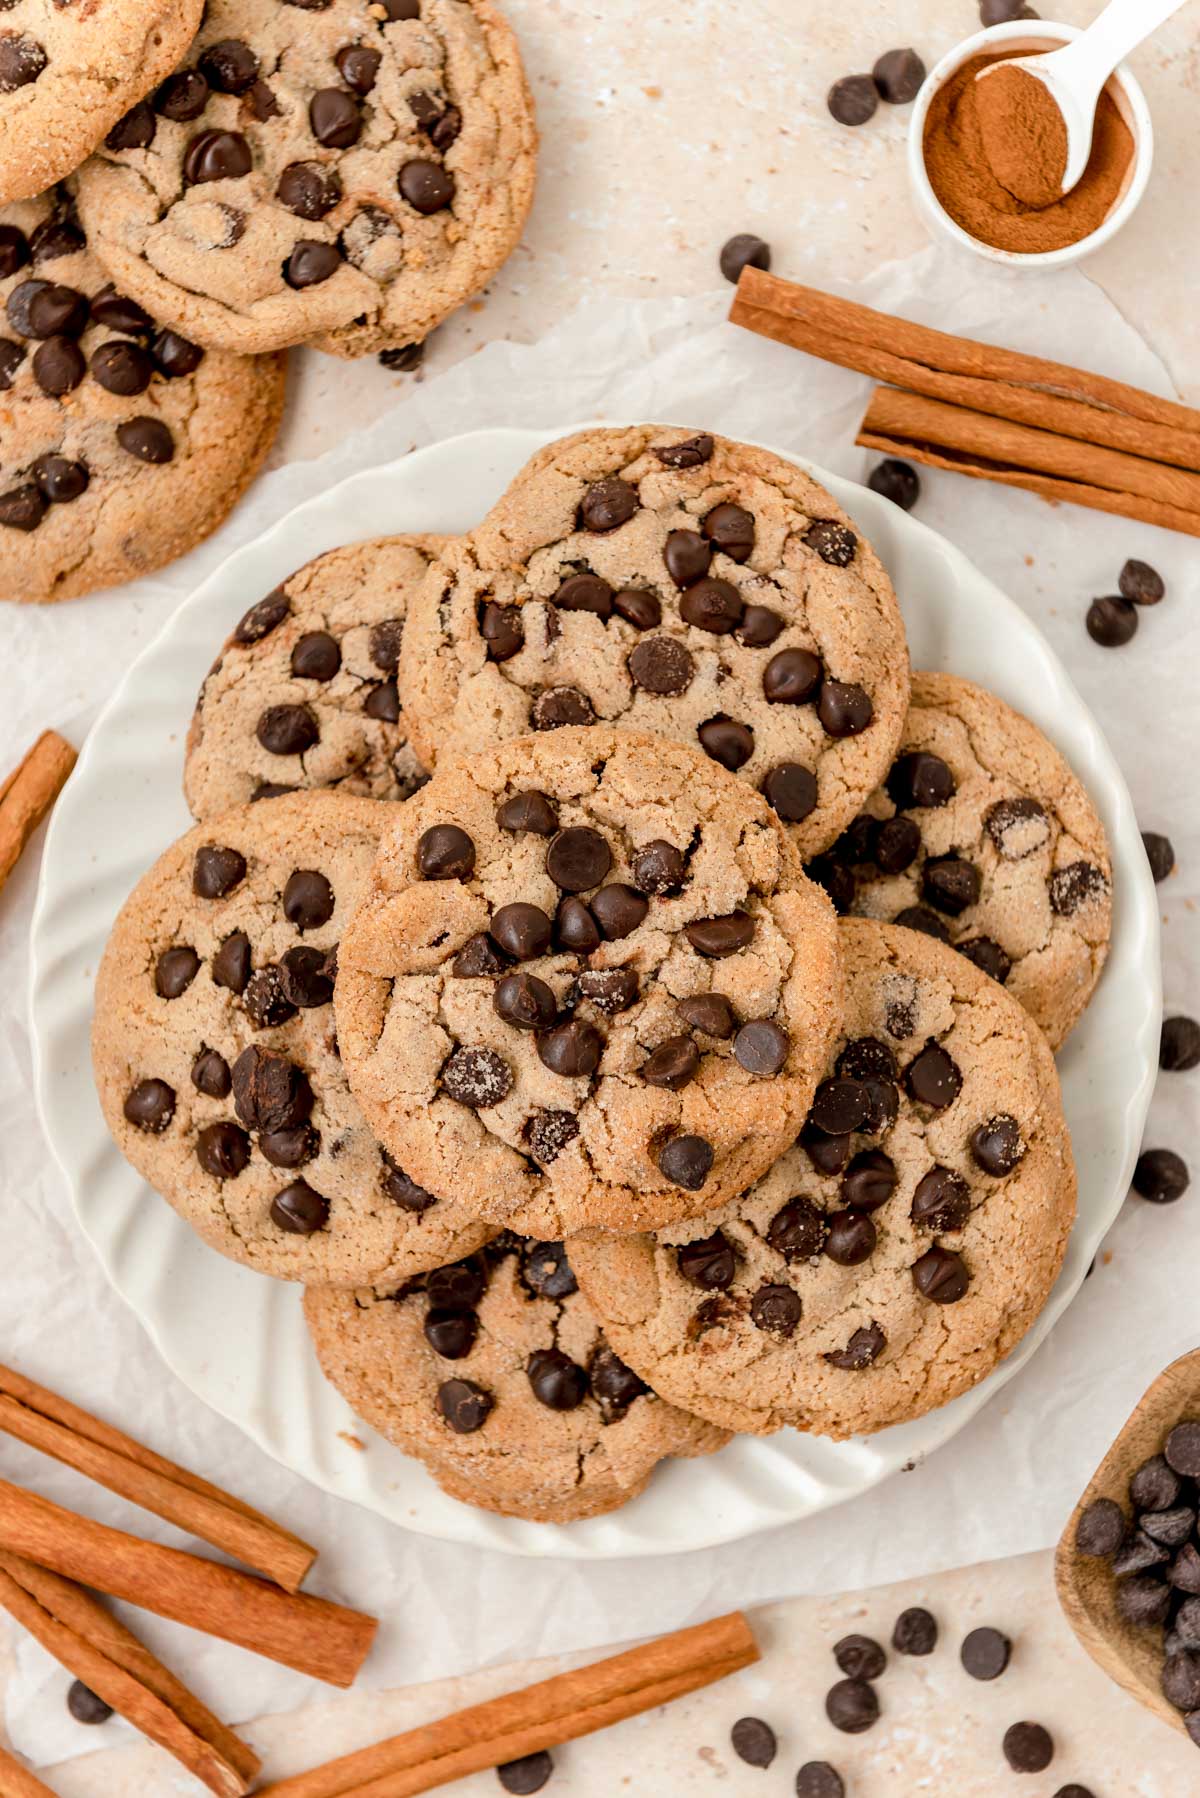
x=1087 y=1591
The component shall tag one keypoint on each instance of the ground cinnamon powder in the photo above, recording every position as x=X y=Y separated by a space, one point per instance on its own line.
x=971 y=190
x=1024 y=134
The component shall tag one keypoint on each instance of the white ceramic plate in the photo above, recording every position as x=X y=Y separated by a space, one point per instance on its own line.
x=238 y=1340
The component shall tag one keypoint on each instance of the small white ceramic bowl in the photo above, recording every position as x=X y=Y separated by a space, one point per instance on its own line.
x=1021 y=37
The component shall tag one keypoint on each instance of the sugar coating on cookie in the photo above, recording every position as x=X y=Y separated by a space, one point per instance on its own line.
x=495 y=1373
x=348 y=171
x=588 y=984
x=216 y=1057
x=899 y=1250
x=983 y=837
x=304 y=693
x=123 y=444
x=68 y=73
x=678 y=583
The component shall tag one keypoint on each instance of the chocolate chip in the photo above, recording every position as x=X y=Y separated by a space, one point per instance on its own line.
x=502 y=631
x=727 y=742
x=1111 y=621
x=712 y=605
x=1160 y=852
x=693 y=452
x=478 y=1078
x=11 y=357
x=440 y=121
x=753 y=1741
x=216 y=156
x=262 y=618
x=287 y=729
x=941 y=1201
x=559 y=706
x=915 y=1632
x=299 y=1210
x=336 y=122
x=673 y=1064
x=852 y=1706
x=210 y=1074
x=317 y=656
x=897 y=845
x=898 y=75
x=230 y=66
x=730 y=529
x=1161 y=1176
x=719 y=937
x=951 y=884
x=549 y=1133
x=985 y=1653
x=941 y=1276
x=987 y=955
x=578 y=858
x=1179 y=1045
x=710 y=1013
x=546 y=1270
x=175 y=970
x=997 y=1145
x=308 y=899
x=525 y=1002
x=839 y=1106
x=120 y=314
x=851 y=1239
x=844 y=708
x=891 y=479
x=585 y=593
x=817 y=1779
x=148 y=439
x=358 y=66
x=401 y=9
x=1181 y=1680
x=51 y=310
x=661 y=665
x=22 y=60
x=445 y=852
x=776 y=1309
x=459 y=1285
x=869 y=1181
x=290 y=1148
x=610 y=990
x=216 y=871
x=797 y=1231
x=307 y=977
x=637 y=607
x=708 y=1263
x=859 y=1657
x=791 y=791
x=743 y=251
x=531 y=811
x=658 y=867
x=59 y=367
x=572 y=1050
x=687 y=555
x=853 y=100
x=933 y=1078
x=920 y=779
x=558 y=1382
x=22 y=508
x=465 y=1406
x=527 y=1775
x=1028 y=1747
x=1143 y=1599
x=1181 y=1450
x=1100 y=1529
x=1000 y=12
x=182 y=96
x=1154 y=1487
x=618 y=909
x=449 y=1333
x=575 y=928
x=85 y=1706
x=383 y=703
x=686 y=1161
x=402 y=1190
x=761 y=1047
x=1075 y=886
x=1141 y=583
x=231 y=963
x=523 y=931
x=607 y=505
x=223 y=1150
x=260 y=100
x=136 y=130
x=59 y=480
x=150 y=1106
x=792 y=677
x=269 y=1091
x=308 y=190
x=310 y=263
x=477 y=957
x=864 y=1347
x=14 y=251
x=1170 y=1528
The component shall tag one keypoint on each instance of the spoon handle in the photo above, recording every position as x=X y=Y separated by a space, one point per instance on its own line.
x=1110 y=37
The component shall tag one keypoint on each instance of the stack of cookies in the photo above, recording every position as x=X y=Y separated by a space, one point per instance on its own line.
x=618 y=993
x=187 y=190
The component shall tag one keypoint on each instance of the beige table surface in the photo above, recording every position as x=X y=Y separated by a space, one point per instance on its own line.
x=666 y=129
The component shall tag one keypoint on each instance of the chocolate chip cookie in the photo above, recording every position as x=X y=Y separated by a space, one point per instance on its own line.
x=68 y=73
x=982 y=837
x=676 y=583
x=898 y=1251
x=588 y=984
x=216 y=1056
x=496 y=1374
x=304 y=692
x=344 y=171
x=121 y=445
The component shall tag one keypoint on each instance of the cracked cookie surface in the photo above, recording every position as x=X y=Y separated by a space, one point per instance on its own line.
x=898 y=1251
x=216 y=1057
x=983 y=837
x=303 y=693
x=68 y=73
x=346 y=172
x=678 y=583
x=121 y=445
x=496 y=1374
x=588 y=984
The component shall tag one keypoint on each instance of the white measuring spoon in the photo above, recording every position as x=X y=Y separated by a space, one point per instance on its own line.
x=1075 y=74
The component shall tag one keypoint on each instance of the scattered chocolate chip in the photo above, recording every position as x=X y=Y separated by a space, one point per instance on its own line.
x=450 y=1333
x=731 y=529
x=546 y=1270
x=852 y=1706
x=743 y=251
x=1141 y=583
x=464 y=1405
x=859 y=1657
x=136 y=130
x=524 y=932
x=175 y=970
x=59 y=480
x=1028 y=1747
x=709 y=1263
x=11 y=357
x=85 y=1706
x=915 y=1632
x=548 y=1134
x=894 y=480
x=336 y=121
x=661 y=665
x=791 y=791
x=941 y=1276
x=1160 y=852
x=710 y=1013
x=231 y=963
x=585 y=593
x=527 y=1775
x=840 y=1105
x=230 y=66
x=988 y=956
x=210 y=1074
x=1111 y=621
x=761 y=1047
x=308 y=899
x=817 y=1779
x=933 y=1078
x=610 y=990
x=951 y=884
x=575 y=928
x=262 y=618
x=997 y=1145
x=658 y=867
x=478 y=1078
x=477 y=957
x=403 y=358
x=525 y=1002
x=985 y=1653
x=1161 y=1176
x=639 y=608
x=572 y=1050
x=776 y=1309
x=148 y=439
x=223 y=1150
x=851 y=1239
x=558 y=1382
x=853 y=100
x=578 y=858
x=844 y=709
x=427 y=186
x=445 y=852
x=299 y=1210
x=216 y=871
x=22 y=60
x=502 y=630
x=1101 y=1528
x=607 y=505
x=150 y=1106
x=693 y=452
x=797 y=1231
x=1001 y=12
x=182 y=96
x=712 y=605
x=403 y=1190
x=1179 y=1045
x=687 y=555
x=22 y=508
x=753 y=1741
x=726 y=741
x=686 y=1161
x=898 y=75
x=869 y=1181
x=897 y=845
x=942 y=1201
x=216 y=156
x=269 y=1091
x=719 y=937
x=531 y=811
x=673 y=1064
x=308 y=190
x=792 y=677
x=920 y=779
x=59 y=367
x=310 y=263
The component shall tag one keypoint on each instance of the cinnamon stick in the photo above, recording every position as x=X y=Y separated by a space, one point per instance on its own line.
x=325 y=1640
x=46 y=1422
x=17 y=1781
x=29 y=792
x=990 y=449
x=540 y=1716
x=1003 y=383
x=92 y=1645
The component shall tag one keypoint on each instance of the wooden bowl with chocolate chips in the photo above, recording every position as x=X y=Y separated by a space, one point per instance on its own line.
x=1127 y=1565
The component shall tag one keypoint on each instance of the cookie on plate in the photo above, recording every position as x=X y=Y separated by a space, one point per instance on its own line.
x=121 y=446
x=496 y=1374
x=69 y=73
x=983 y=837
x=676 y=583
x=216 y=1057
x=304 y=692
x=588 y=984
x=349 y=173
x=899 y=1251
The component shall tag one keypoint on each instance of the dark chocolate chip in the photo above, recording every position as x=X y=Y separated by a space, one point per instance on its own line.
x=231 y=963
x=860 y=1657
x=897 y=845
x=712 y=605
x=851 y=1239
x=585 y=593
x=710 y=1013
x=1141 y=583
x=776 y=1309
x=839 y=1106
x=727 y=742
x=223 y=1150
x=869 y=1181
x=693 y=452
x=525 y=1002
x=835 y=543
x=1111 y=621
x=216 y=156
x=933 y=1078
x=210 y=1074
x=951 y=884
x=792 y=677
x=864 y=1347
x=531 y=811
x=1179 y=1045
x=59 y=480
x=987 y=955
x=687 y=555
x=1169 y=1528
x=182 y=96
x=844 y=709
x=1028 y=1747
x=216 y=871
x=607 y=505
x=310 y=263
x=1155 y=1486
x=942 y=1201
x=1161 y=1176
x=743 y=251
x=290 y=1148
x=175 y=970
x=1017 y=826
x=59 y=367
x=150 y=1106
x=230 y=66
x=299 y=1210
x=997 y=1145
x=527 y=1775
x=336 y=122
x=1101 y=1528
x=358 y=66
x=898 y=75
x=450 y=1333
x=572 y=1050
x=661 y=665
x=686 y=1161
x=11 y=357
x=618 y=909
x=915 y=1632
x=1074 y=887
x=317 y=656
x=673 y=1064
x=659 y=867
x=523 y=931
x=559 y=706
x=709 y=1262
x=610 y=990
x=853 y=100
x=546 y=1270
x=308 y=190
x=307 y=977
x=557 y=1382
x=894 y=480
x=464 y=1405
x=731 y=529
x=852 y=1706
x=817 y=1779
x=1143 y=1598
x=548 y=1134
x=478 y=1078
x=985 y=1653
x=136 y=130
x=575 y=928
x=797 y=1231
x=920 y=779
x=445 y=852
x=53 y=310
x=262 y=618
x=719 y=937
x=148 y=439
x=269 y=1091
x=761 y=1046
x=578 y=858
x=791 y=791
x=308 y=899
x=941 y=1276
x=477 y=957
x=402 y=1190
x=287 y=729
x=639 y=608
x=22 y=508
x=1181 y=1450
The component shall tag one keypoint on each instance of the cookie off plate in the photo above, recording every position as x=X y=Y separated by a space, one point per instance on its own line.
x=238 y=1340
